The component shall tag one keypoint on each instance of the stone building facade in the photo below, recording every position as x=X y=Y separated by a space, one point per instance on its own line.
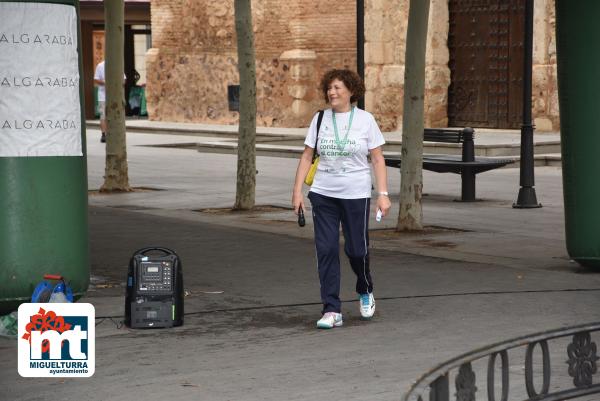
x=194 y=59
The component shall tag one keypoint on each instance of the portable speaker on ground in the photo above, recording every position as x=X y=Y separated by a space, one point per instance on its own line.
x=154 y=296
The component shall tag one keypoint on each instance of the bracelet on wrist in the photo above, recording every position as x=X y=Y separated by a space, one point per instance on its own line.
x=383 y=193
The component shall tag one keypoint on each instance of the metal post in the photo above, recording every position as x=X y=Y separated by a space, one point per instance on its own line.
x=360 y=45
x=467 y=174
x=440 y=389
x=527 y=198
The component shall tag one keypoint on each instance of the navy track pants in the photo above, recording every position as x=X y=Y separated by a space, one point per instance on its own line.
x=353 y=214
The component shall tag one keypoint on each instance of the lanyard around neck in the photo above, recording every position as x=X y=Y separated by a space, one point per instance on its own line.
x=342 y=144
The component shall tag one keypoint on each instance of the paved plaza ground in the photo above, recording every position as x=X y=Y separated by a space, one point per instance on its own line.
x=480 y=273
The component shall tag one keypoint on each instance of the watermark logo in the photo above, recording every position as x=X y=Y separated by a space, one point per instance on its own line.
x=56 y=340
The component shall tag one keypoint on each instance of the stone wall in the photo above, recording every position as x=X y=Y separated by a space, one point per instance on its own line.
x=194 y=58
x=385 y=36
x=437 y=72
x=545 y=88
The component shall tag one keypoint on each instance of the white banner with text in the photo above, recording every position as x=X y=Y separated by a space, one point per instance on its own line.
x=40 y=109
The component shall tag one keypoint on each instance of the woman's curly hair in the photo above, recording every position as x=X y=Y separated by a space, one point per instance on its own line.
x=351 y=79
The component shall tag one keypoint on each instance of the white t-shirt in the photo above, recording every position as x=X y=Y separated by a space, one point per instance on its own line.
x=344 y=170
x=99 y=75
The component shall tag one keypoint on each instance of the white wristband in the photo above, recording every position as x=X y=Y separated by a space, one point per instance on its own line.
x=383 y=193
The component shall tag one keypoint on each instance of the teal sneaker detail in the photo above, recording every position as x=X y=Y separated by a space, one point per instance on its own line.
x=330 y=320
x=367 y=305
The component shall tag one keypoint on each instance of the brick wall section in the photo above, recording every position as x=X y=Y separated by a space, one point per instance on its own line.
x=194 y=56
x=164 y=22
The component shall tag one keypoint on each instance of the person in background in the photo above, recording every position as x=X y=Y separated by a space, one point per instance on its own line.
x=341 y=190
x=99 y=82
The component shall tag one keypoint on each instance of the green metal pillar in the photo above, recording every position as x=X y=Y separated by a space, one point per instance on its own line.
x=578 y=62
x=43 y=189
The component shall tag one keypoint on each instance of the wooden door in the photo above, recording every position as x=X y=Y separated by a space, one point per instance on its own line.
x=486 y=63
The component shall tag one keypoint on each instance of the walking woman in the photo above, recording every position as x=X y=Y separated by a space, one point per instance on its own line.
x=341 y=190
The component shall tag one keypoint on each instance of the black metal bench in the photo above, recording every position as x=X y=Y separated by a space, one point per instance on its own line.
x=466 y=165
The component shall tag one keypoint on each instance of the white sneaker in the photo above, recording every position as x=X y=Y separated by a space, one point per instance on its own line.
x=367 y=305
x=330 y=320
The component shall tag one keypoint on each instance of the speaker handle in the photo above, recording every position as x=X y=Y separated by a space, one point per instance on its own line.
x=164 y=250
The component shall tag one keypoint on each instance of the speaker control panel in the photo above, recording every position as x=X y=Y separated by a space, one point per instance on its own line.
x=155 y=276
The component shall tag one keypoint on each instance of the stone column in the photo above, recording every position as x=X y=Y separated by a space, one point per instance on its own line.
x=302 y=88
x=437 y=72
x=545 y=90
x=385 y=41
x=152 y=83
